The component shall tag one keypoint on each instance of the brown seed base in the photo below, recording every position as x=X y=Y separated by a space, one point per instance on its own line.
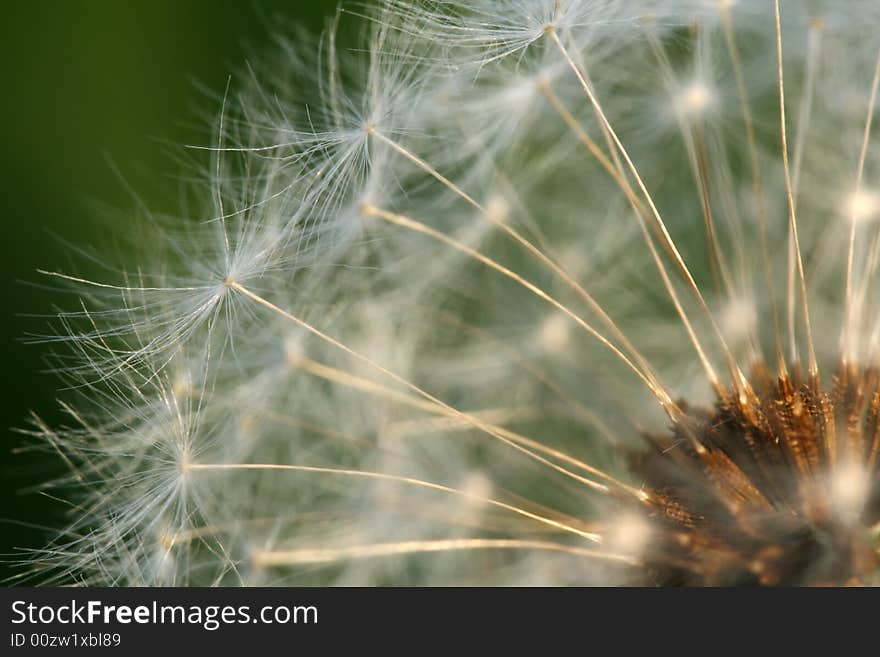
x=749 y=492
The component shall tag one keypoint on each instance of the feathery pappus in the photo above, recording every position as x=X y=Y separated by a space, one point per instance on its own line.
x=499 y=292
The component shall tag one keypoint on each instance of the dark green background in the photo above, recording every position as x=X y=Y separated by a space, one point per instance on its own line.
x=83 y=82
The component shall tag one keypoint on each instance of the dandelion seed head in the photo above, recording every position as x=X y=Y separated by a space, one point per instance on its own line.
x=472 y=302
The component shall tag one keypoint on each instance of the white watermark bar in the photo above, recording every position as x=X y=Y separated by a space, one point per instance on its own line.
x=132 y=620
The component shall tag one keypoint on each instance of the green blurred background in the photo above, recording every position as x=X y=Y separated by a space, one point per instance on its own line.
x=86 y=83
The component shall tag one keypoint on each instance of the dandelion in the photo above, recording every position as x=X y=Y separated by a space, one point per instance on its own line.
x=511 y=292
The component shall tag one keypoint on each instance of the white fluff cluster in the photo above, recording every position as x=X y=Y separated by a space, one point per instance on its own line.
x=443 y=278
